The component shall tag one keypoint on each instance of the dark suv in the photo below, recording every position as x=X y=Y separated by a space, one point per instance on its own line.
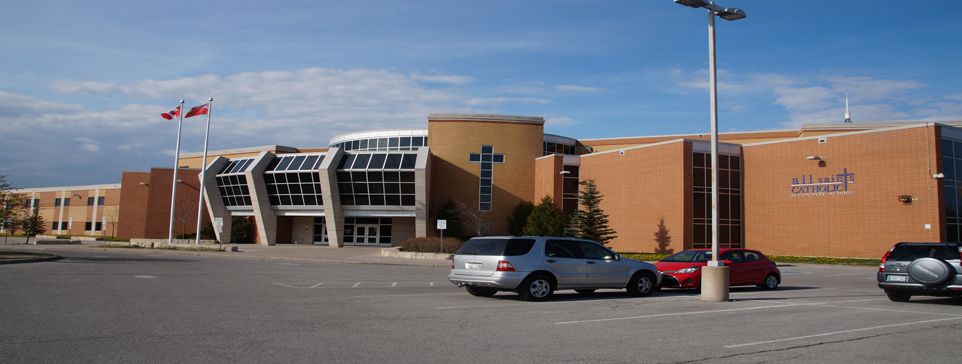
x=921 y=269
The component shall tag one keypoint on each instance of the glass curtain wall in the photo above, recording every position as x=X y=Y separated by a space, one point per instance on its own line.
x=729 y=200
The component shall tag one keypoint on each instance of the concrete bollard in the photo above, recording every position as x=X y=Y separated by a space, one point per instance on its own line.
x=714 y=284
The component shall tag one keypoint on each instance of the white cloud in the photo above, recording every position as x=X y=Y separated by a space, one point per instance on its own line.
x=438 y=77
x=90 y=147
x=556 y=121
x=577 y=88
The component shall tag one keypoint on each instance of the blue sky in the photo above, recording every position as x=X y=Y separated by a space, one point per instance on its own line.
x=83 y=83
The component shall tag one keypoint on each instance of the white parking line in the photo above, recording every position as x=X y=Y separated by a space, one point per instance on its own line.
x=356 y=284
x=840 y=332
x=677 y=314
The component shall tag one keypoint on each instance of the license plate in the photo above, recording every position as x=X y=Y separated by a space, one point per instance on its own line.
x=474 y=266
x=896 y=278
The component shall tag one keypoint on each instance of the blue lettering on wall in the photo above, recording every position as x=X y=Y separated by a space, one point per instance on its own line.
x=837 y=184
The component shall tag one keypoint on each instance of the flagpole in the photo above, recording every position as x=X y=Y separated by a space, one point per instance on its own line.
x=203 y=172
x=173 y=192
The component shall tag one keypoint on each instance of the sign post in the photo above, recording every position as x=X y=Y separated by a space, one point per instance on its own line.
x=442 y=224
x=103 y=227
x=219 y=226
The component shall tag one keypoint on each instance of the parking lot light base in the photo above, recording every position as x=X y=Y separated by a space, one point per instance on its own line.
x=714 y=284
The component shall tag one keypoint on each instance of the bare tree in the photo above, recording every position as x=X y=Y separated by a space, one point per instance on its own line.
x=185 y=212
x=112 y=216
x=473 y=219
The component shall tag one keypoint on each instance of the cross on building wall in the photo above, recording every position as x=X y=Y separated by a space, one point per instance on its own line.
x=486 y=160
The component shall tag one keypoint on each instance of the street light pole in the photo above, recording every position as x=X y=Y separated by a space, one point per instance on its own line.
x=714 y=284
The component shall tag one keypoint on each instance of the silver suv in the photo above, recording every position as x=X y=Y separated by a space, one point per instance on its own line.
x=921 y=269
x=535 y=267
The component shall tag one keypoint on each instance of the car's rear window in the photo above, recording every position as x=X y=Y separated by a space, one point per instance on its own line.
x=500 y=247
x=915 y=251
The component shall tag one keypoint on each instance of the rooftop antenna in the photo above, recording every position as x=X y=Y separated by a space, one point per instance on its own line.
x=848 y=115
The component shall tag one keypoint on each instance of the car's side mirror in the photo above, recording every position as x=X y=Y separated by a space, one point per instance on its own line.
x=617 y=257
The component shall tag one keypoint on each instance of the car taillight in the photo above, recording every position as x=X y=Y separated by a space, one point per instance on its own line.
x=504 y=266
x=881 y=265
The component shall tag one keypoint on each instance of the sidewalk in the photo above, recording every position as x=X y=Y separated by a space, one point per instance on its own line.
x=281 y=252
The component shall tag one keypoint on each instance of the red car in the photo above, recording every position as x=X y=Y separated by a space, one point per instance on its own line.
x=746 y=267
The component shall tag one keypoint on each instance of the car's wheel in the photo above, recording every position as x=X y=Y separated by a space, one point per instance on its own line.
x=536 y=287
x=585 y=291
x=898 y=296
x=771 y=282
x=481 y=291
x=642 y=284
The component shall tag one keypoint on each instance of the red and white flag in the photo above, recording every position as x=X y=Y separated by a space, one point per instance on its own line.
x=171 y=114
x=198 y=110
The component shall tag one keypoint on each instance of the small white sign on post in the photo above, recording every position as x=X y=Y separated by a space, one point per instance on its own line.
x=442 y=224
x=219 y=224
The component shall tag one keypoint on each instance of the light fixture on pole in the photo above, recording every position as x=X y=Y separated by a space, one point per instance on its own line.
x=715 y=275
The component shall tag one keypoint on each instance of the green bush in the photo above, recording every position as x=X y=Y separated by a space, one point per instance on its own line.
x=430 y=245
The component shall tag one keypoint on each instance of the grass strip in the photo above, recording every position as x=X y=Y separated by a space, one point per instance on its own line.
x=653 y=257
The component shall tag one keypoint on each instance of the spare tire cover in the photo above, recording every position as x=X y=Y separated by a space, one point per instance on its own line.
x=930 y=271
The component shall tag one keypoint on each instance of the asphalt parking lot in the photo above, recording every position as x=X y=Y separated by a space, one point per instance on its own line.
x=123 y=307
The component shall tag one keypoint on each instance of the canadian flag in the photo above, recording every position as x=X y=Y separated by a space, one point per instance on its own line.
x=197 y=110
x=172 y=113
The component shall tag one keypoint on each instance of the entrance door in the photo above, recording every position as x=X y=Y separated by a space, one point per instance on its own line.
x=320 y=234
x=366 y=235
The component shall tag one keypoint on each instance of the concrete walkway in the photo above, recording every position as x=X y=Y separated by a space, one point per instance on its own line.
x=282 y=252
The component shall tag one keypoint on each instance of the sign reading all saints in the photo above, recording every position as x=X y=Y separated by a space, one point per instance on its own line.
x=832 y=185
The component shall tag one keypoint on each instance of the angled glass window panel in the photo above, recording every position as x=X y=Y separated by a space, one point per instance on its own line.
x=487 y=149
x=393 y=161
x=347 y=200
x=474 y=157
x=392 y=187
x=485 y=174
x=361 y=200
x=346 y=161
x=377 y=161
x=296 y=163
x=307 y=177
x=407 y=188
x=405 y=141
x=297 y=200
x=375 y=176
x=407 y=200
x=247 y=164
x=345 y=188
x=292 y=178
x=485 y=157
x=409 y=161
x=245 y=190
x=307 y=188
x=363 y=144
x=377 y=200
x=393 y=142
x=280 y=178
x=234 y=180
x=233 y=164
x=360 y=188
x=498 y=158
x=382 y=144
x=417 y=142
x=355 y=144
x=229 y=201
x=237 y=190
x=390 y=176
x=285 y=200
x=240 y=166
x=343 y=176
x=359 y=176
x=268 y=178
x=285 y=161
x=375 y=187
x=283 y=190
x=360 y=162
x=392 y=200
x=223 y=191
x=295 y=189
x=310 y=200
x=224 y=168
x=372 y=144
x=309 y=163
x=317 y=188
x=734 y=162
x=247 y=201
x=274 y=201
x=407 y=176
x=242 y=179
x=271 y=189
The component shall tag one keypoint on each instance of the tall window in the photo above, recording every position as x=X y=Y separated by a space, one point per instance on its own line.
x=90 y=201
x=56 y=202
x=486 y=160
x=729 y=200
x=951 y=167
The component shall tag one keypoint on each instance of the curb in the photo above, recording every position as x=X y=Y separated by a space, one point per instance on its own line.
x=32 y=260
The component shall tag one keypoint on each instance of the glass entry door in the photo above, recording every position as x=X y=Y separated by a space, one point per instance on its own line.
x=366 y=234
x=320 y=231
